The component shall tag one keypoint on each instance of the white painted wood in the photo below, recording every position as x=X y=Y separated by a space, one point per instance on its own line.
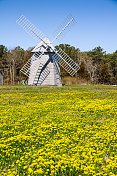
x=45 y=70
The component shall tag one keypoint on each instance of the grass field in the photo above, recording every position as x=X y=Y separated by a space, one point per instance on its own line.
x=60 y=131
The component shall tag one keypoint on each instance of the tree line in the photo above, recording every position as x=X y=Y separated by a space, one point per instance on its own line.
x=95 y=66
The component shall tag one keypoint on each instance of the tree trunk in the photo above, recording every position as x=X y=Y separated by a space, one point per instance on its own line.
x=13 y=68
x=11 y=73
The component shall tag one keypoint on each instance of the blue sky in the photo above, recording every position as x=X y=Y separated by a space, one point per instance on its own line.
x=96 y=22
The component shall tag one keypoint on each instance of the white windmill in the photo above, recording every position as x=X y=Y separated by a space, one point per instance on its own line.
x=43 y=68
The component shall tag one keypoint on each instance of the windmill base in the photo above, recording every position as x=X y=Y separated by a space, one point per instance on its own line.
x=44 y=69
x=45 y=72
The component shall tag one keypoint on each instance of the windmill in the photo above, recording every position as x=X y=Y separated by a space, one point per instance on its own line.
x=43 y=68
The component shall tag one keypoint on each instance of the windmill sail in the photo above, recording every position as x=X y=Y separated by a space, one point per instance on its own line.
x=30 y=28
x=64 y=27
x=26 y=68
x=66 y=62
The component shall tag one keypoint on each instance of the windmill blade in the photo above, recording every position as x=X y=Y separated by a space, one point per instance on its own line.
x=26 y=68
x=30 y=28
x=66 y=62
x=64 y=27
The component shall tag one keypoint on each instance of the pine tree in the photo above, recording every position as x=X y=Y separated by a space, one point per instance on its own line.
x=104 y=76
x=83 y=73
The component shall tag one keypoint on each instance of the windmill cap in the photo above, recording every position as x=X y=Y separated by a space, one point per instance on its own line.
x=41 y=47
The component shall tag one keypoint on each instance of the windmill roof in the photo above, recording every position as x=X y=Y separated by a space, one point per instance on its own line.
x=42 y=46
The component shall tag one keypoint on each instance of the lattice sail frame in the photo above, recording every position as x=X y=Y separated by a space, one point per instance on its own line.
x=65 y=61
x=63 y=28
x=26 y=68
x=30 y=28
